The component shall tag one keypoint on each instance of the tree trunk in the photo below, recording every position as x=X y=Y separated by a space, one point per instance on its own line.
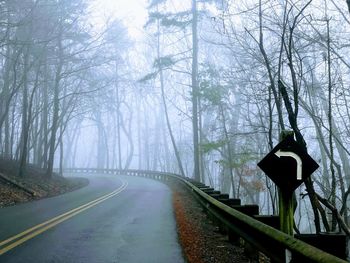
x=44 y=122
x=118 y=117
x=56 y=105
x=128 y=134
x=195 y=91
x=25 y=121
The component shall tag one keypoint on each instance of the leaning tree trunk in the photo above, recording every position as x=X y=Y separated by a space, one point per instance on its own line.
x=55 y=116
x=165 y=106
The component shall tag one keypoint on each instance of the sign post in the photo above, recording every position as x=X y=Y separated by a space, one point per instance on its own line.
x=287 y=165
x=285 y=198
x=286 y=211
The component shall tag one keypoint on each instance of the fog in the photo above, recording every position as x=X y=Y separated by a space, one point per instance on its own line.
x=201 y=89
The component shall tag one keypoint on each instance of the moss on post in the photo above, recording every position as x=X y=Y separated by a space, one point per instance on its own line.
x=286 y=204
x=286 y=212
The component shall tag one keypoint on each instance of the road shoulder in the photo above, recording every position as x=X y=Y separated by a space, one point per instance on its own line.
x=200 y=239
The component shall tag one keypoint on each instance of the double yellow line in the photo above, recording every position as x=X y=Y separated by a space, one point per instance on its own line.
x=24 y=236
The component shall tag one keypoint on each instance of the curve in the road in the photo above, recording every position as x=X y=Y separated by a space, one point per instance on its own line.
x=104 y=222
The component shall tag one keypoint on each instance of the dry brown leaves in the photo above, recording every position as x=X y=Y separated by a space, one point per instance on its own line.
x=200 y=239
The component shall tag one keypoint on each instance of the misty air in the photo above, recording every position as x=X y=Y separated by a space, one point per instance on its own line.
x=174 y=131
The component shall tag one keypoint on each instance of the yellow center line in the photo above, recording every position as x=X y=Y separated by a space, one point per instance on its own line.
x=53 y=219
x=30 y=233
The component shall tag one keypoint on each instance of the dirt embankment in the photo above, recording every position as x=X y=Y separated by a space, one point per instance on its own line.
x=34 y=185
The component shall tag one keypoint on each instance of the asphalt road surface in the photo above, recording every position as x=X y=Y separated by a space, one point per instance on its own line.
x=113 y=219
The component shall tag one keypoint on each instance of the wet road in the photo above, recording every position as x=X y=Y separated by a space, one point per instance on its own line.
x=113 y=219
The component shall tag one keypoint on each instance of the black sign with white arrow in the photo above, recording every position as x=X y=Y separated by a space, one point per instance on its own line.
x=288 y=165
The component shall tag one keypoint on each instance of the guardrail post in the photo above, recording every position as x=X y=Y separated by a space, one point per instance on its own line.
x=333 y=243
x=221 y=197
x=250 y=210
x=270 y=220
x=232 y=201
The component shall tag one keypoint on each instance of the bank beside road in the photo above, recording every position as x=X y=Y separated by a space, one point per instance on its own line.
x=32 y=232
x=33 y=185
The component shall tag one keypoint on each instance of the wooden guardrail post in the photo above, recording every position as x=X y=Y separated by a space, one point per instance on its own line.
x=333 y=243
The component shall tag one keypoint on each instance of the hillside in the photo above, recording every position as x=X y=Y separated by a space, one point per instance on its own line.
x=34 y=185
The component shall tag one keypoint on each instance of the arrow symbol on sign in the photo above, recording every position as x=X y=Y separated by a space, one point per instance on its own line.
x=296 y=157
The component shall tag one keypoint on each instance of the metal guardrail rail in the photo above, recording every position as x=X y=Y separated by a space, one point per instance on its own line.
x=275 y=244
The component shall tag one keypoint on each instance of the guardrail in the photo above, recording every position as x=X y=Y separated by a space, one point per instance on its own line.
x=273 y=243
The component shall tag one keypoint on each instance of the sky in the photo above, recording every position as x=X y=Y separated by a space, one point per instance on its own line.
x=133 y=13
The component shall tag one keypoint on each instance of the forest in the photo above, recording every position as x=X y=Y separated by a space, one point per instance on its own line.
x=204 y=91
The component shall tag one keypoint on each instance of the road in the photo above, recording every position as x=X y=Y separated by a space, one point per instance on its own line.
x=113 y=219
